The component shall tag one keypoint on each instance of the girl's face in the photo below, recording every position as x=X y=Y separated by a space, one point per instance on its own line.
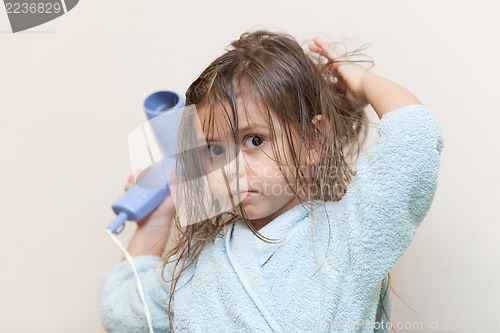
x=264 y=191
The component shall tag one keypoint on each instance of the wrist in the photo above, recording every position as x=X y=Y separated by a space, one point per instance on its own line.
x=153 y=228
x=365 y=82
x=149 y=240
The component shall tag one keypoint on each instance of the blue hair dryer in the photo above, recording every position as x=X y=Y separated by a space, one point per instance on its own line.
x=138 y=201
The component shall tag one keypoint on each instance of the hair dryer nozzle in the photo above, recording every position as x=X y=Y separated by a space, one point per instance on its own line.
x=161 y=101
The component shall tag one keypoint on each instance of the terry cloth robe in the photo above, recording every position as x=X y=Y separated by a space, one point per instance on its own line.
x=327 y=273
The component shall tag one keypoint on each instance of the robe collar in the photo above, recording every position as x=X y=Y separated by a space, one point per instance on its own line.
x=279 y=229
x=248 y=254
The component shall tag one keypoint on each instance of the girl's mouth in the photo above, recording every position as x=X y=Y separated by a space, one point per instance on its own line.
x=243 y=194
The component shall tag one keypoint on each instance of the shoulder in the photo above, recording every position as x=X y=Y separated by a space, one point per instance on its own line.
x=412 y=122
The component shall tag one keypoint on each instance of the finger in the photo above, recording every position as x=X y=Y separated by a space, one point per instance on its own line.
x=323 y=52
x=173 y=182
x=172 y=179
x=314 y=48
x=318 y=49
x=169 y=201
x=137 y=173
x=326 y=50
x=130 y=182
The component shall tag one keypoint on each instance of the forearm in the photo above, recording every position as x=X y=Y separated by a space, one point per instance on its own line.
x=149 y=240
x=384 y=95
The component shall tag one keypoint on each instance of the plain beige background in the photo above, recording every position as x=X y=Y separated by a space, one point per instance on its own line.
x=72 y=90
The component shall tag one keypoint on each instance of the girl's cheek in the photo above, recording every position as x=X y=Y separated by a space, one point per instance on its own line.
x=216 y=184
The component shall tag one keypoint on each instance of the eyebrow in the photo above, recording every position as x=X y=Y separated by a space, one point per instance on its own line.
x=243 y=129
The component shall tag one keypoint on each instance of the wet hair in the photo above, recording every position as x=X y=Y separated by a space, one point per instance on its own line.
x=290 y=86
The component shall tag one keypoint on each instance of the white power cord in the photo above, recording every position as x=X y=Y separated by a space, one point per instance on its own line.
x=138 y=280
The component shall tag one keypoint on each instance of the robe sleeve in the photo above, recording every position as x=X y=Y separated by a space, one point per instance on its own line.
x=122 y=309
x=392 y=190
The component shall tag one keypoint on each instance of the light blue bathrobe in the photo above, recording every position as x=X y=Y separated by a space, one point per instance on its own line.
x=307 y=282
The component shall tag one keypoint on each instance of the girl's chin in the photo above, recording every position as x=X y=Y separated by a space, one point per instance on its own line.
x=249 y=210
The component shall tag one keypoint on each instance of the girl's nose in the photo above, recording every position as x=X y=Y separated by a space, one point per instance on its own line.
x=236 y=167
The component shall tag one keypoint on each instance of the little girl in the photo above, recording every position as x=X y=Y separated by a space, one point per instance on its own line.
x=310 y=241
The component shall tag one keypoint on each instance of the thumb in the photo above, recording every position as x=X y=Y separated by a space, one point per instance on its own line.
x=137 y=173
x=172 y=183
x=172 y=177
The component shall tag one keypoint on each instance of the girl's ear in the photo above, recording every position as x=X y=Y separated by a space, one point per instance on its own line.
x=321 y=129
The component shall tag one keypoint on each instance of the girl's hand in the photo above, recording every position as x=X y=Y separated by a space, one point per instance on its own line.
x=162 y=215
x=153 y=231
x=350 y=73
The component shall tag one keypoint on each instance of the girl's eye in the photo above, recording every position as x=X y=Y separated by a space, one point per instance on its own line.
x=215 y=150
x=253 y=141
